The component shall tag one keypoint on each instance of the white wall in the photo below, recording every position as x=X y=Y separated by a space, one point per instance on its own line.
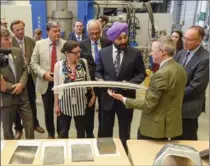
x=19 y=10
x=163 y=21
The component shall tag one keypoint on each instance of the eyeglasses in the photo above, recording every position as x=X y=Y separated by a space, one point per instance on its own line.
x=153 y=50
x=96 y=33
x=75 y=53
x=188 y=39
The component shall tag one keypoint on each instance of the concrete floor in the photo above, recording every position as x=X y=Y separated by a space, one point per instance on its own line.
x=203 y=132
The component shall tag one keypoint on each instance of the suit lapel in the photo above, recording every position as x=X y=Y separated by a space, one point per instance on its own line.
x=195 y=58
x=14 y=42
x=110 y=61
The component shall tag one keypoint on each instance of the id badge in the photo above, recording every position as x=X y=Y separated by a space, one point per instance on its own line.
x=73 y=97
x=73 y=100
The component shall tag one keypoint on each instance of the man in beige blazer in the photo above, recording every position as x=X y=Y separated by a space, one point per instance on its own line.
x=14 y=96
x=27 y=45
x=161 y=110
x=45 y=54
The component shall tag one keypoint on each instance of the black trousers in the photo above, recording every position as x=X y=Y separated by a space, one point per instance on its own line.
x=143 y=137
x=90 y=116
x=48 y=102
x=65 y=122
x=32 y=99
x=189 y=129
x=124 y=121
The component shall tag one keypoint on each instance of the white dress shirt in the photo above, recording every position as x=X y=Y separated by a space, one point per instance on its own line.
x=114 y=54
x=12 y=65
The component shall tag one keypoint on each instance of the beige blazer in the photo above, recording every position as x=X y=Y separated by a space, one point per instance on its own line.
x=40 y=62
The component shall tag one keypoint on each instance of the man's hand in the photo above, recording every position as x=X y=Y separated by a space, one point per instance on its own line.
x=48 y=76
x=3 y=85
x=92 y=101
x=57 y=110
x=115 y=96
x=17 y=88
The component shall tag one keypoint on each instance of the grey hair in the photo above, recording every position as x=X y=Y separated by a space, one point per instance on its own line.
x=4 y=32
x=166 y=44
x=52 y=24
x=93 y=21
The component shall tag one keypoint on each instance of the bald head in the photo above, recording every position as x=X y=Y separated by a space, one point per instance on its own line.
x=94 y=30
x=192 y=39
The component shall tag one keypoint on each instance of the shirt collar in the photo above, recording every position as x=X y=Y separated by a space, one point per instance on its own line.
x=161 y=64
x=192 y=52
x=115 y=49
x=92 y=42
x=50 y=42
x=19 y=41
x=78 y=35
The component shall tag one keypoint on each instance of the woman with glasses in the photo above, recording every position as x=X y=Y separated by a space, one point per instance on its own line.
x=71 y=102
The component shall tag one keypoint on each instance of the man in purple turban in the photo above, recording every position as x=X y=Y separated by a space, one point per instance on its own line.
x=118 y=62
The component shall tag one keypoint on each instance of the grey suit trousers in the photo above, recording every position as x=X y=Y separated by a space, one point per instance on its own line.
x=8 y=118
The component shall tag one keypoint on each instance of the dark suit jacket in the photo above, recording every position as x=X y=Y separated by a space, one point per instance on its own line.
x=197 y=80
x=72 y=36
x=132 y=70
x=86 y=53
x=7 y=98
x=29 y=47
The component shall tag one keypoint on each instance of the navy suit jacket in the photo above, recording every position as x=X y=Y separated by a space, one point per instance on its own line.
x=72 y=36
x=86 y=52
x=197 y=80
x=132 y=70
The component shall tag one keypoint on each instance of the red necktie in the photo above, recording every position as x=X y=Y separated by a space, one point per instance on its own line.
x=53 y=57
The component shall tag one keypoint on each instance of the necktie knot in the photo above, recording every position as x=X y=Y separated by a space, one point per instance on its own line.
x=54 y=43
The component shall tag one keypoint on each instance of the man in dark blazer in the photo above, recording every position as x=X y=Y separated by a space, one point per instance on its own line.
x=78 y=34
x=119 y=62
x=27 y=45
x=195 y=59
x=90 y=48
x=14 y=98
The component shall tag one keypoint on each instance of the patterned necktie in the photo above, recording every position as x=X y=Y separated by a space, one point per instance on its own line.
x=186 y=59
x=117 y=63
x=53 y=57
x=95 y=45
x=78 y=39
x=22 y=46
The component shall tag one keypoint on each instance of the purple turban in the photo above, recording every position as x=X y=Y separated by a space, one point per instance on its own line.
x=116 y=30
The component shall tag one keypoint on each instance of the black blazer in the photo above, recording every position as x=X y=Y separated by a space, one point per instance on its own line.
x=86 y=53
x=132 y=70
x=72 y=36
x=197 y=80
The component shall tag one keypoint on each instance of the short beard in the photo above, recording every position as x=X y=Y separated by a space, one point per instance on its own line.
x=119 y=48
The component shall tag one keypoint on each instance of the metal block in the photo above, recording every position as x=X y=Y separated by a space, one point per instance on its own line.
x=177 y=150
x=106 y=145
x=81 y=152
x=53 y=155
x=24 y=155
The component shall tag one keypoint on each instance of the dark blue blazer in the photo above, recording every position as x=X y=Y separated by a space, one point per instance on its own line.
x=72 y=36
x=132 y=70
x=86 y=52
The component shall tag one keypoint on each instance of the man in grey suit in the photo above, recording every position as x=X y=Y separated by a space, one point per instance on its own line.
x=14 y=96
x=27 y=45
x=46 y=53
x=195 y=59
